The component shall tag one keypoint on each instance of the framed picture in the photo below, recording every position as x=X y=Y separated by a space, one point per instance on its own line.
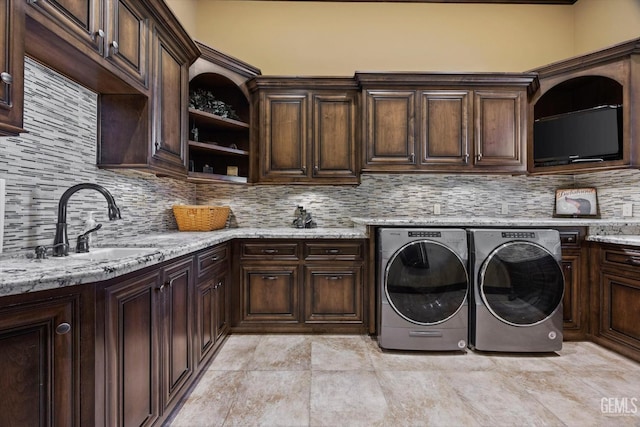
x=576 y=203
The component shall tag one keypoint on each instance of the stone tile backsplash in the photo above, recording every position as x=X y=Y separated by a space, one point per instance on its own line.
x=59 y=151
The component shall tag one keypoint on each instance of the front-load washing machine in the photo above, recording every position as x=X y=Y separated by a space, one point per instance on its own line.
x=517 y=289
x=423 y=286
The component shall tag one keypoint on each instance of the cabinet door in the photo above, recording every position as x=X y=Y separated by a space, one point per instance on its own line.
x=171 y=83
x=444 y=128
x=81 y=18
x=390 y=129
x=284 y=136
x=334 y=136
x=39 y=364
x=205 y=317
x=131 y=353
x=571 y=302
x=499 y=129
x=11 y=66
x=333 y=294
x=618 y=310
x=221 y=315
x=269 y=293
x=176 y=345
x=128 y=38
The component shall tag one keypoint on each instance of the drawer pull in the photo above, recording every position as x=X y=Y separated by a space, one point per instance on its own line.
x=332 y=251
x=269 y=277
x=215 y=258
x=334 y=277
x=633 y=260
x=269 y=251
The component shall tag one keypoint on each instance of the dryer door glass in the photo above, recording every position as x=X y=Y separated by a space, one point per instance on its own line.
x=521 y=283
x=426 y=283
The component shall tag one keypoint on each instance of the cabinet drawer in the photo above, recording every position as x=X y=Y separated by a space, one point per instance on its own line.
x=621 y=258
x=286 y=251
x=210 y=259
x=570 y=239
x=322 y=251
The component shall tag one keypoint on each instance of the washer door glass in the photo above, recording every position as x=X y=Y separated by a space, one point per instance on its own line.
x=521 y=283
x=426 y=283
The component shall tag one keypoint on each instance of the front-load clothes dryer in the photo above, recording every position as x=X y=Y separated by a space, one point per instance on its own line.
x=517 y=290
x=423 y=287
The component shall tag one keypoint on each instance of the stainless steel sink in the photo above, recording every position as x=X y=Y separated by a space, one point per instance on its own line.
x=108 y=254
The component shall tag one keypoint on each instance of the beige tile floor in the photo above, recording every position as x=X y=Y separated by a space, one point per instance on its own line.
x=335 y=380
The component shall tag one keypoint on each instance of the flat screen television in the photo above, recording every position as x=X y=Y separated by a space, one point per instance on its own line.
x=591 y=135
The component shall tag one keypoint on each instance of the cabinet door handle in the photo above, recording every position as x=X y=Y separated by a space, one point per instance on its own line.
x=98 y=33
x=269 y=251
x=334 y=277
x=332 y=251
x=315 y=170
x=269 y=277
x=465 y=159
x=633 y=260
x=412 y=157
x=304 y=169
x=479 y=157
x=6 y=77
x=63 y=328
x=161 y=288
x=114 y=45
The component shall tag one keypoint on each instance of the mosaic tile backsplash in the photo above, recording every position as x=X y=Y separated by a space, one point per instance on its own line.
x=60 y=151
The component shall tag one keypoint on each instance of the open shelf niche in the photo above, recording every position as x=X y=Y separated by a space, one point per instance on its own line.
x=219 y=134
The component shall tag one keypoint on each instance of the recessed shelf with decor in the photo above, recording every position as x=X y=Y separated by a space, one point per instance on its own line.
x=219 y=118
x=594 y=92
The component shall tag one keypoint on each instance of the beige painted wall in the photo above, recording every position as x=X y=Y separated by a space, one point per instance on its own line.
x=332 y=38
x=601 y=23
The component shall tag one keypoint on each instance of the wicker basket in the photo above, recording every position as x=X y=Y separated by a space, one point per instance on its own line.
x=200 y=218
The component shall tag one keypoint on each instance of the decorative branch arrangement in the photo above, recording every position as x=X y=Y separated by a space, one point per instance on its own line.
x=204 y=100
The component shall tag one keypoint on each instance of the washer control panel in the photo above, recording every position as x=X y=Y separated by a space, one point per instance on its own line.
x=425 y=234
x=518 y=235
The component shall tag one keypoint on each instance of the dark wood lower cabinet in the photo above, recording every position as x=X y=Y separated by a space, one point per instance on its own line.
x=300 y=286
x=132 y=351
x=160 y=327
x=615 y=299
x=269 y=293
x=40 y=360
x=176 y=321
x=333 y=294
x=575 y=303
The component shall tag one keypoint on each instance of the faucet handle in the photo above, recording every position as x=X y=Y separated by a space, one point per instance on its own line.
x=41 y=251
x=82 y=245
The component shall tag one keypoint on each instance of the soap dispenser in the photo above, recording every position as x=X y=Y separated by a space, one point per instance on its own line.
x=90 y=224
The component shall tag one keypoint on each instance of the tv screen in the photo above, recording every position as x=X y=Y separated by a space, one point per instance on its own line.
x=587 y=135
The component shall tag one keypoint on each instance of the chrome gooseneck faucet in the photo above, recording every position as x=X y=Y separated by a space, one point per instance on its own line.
x=61 y=241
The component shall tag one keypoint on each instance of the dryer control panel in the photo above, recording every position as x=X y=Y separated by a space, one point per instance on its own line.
x=518 y=235
x=425 y=234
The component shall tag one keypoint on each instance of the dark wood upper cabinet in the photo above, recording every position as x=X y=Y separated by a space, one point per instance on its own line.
x=390 y=128
x=603 y=78
x=428 y=122
x=11 y=66
x=306 y=130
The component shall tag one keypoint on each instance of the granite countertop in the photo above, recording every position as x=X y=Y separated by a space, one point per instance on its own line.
x=618 y=239
x=471 y=221
x=21 y=273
